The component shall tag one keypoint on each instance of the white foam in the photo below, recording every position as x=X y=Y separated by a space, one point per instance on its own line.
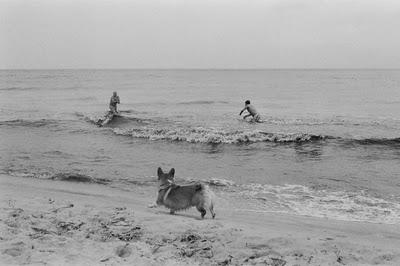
x=340 y=205
x=213 y=136
x=220 y=182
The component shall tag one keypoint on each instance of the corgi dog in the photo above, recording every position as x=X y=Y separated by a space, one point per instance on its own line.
x=176 y=197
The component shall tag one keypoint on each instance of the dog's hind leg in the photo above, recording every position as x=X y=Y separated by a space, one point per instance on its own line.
x=202 y=211
x=212 y=211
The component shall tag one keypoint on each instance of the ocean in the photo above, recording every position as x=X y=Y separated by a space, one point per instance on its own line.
x=329 y=144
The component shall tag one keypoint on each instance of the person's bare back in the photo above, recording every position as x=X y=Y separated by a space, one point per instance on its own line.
x=252 y=111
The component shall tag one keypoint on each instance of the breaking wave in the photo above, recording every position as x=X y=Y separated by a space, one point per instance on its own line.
x=339 y=205
x=76 y=177
x=61 y=176
x=115 y=122
x=221 y=136
x=213 y=136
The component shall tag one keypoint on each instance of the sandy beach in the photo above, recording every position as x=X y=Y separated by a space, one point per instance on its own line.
x=64 y=223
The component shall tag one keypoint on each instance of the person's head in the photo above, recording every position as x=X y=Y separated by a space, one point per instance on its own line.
x=114 y=93
x=247 y=102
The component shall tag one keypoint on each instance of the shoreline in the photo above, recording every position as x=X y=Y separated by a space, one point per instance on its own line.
x=68 y=223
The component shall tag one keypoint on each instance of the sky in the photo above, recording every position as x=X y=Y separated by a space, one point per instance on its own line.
x=46 y=34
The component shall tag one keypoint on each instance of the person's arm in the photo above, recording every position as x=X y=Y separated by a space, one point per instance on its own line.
x=242 y=111
x=118 y=99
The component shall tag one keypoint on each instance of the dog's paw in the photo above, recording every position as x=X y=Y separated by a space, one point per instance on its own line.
x=152 y=205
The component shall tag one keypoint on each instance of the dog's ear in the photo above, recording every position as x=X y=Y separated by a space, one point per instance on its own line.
x=172 y=172
x=159 y=172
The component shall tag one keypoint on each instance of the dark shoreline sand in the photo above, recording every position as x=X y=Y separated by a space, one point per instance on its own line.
x=63 y=223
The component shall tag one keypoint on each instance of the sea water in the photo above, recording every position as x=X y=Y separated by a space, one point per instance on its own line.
x=329 y=144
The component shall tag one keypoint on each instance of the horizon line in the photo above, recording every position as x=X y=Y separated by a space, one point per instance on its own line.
x=203 y=69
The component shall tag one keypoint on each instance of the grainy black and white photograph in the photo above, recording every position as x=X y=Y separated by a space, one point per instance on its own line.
x=200 y=132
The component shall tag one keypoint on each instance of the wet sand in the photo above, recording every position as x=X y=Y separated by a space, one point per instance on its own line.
x=64 y=223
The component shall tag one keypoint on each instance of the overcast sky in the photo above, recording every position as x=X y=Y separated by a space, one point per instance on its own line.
x=200 y=34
